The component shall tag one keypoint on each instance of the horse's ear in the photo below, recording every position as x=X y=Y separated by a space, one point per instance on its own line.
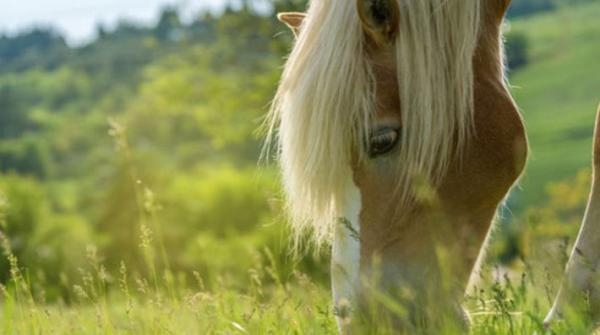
x=379 y=19
x=293 y=20
x=506 y=4
x=502 y=8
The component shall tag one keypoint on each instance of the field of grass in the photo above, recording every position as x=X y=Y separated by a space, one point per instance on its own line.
x=558 y=94
x=119 y=303
x=165 y=304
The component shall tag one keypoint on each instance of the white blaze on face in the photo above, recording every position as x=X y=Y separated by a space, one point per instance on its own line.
x=345 y=263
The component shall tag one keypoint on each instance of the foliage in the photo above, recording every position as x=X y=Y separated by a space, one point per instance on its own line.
x=36 y=236
x=516 y=50
x=528 y=7
x=522 y=8
x=17 y=53
x=553 y=225
x=191 y=103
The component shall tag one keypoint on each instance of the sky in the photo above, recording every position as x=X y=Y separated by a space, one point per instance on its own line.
x=77 y=19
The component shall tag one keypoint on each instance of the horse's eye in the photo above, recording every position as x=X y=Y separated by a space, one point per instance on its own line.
x=382 y=142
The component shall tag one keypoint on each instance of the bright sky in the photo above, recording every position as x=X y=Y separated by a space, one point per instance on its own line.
x=78 y=18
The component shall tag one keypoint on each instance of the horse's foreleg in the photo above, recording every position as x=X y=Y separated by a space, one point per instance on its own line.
x=580 y=291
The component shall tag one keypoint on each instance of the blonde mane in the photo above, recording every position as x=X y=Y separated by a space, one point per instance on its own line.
x=321 y=115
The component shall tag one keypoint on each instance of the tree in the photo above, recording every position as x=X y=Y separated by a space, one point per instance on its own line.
x=169 y=25
x=516 y=50
x=38 y=47
x=529 y=7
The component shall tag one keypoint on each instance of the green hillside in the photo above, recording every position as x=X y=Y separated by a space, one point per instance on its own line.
x=558 y=93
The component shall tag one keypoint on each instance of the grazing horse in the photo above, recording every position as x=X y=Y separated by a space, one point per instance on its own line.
x=397 y=139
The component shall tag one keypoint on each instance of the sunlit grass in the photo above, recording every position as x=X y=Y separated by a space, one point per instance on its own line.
x=138 y=307
x=156 y=300
x=123 y=303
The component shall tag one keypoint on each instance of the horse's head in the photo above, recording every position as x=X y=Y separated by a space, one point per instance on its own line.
x=398 y=137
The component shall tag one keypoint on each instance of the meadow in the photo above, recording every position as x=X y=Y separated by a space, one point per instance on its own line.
x=558 y=94
x=131 y=201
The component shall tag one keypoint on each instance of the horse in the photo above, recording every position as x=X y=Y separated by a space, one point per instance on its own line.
x=397 y=138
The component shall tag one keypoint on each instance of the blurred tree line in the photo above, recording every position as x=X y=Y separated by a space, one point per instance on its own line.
x=521 y=8
x=145 y=135
x=148 y=133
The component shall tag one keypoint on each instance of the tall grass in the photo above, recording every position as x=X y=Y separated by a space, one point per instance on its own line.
x=122 y=303
x=158 y=300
